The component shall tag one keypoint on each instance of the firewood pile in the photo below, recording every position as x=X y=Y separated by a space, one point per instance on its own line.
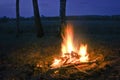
x=74 y=60
x=67 y=61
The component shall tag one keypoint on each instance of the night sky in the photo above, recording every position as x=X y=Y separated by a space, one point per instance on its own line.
x=51 y=7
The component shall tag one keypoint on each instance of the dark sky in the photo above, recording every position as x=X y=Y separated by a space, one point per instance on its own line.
x=51 y=7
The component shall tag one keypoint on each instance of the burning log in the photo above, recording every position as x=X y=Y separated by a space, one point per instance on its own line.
x=66 y=62
x=75 y=64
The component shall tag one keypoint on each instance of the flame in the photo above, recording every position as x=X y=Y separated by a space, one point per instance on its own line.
x=67 y=45
x=83 y=53
x=68 y=49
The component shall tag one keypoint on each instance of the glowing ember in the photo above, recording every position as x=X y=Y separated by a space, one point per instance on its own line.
x=69 y=54
x=56 y=63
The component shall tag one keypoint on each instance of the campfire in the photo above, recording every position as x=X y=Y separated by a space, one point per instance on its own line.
x=70 y=54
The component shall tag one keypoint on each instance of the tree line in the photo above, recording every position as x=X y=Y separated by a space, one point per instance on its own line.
x=6 y=19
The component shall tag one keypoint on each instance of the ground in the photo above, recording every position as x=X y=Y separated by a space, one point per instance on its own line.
x=19 y=57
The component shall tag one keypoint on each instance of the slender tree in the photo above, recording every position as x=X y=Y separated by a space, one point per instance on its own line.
x=37 y=19
x=62 y=15
x=17 y=18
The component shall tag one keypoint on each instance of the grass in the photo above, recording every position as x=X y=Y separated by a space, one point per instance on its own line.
x=88 y=26
x=22 y=55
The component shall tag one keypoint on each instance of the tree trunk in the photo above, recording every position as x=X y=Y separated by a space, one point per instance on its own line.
x=17 y=18
x=62 y=16
x=37 y=19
